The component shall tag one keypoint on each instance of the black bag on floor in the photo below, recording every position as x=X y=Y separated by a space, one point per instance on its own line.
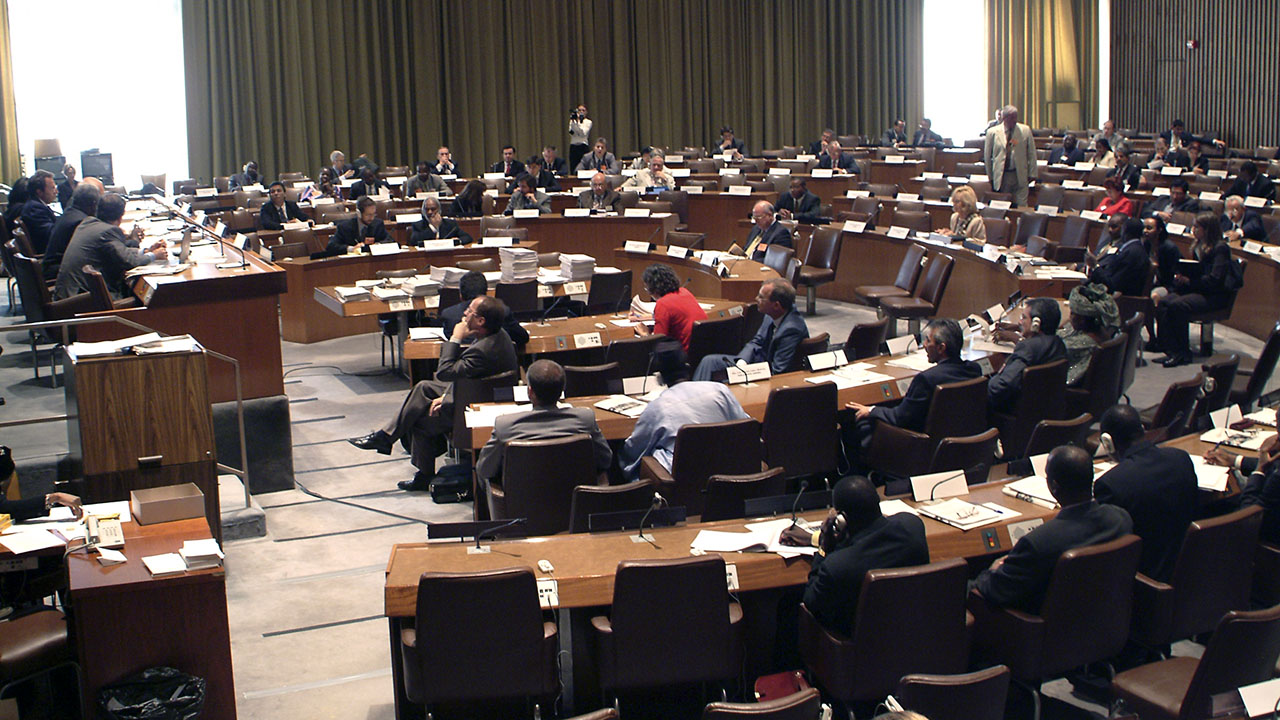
x=452 y=484
x=159 y=693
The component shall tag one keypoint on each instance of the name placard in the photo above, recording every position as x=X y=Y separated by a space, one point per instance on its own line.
x=384 y=248
x=525 y=214
x=206 y=192
x=1214 y=196
x=1171 y=170
x=910 y=197
x=1073 y=184
x=821 y=172
x=494 y=176
x=730 y=171
x=1047 y=209
x=739 y=190
x=636 y=212
x=677 y=251
x=894 y=159
x=636 y=246
x=1255 y=202
x=898 y=232
x=779 y=171
x=827 y=360
x=575 y=288
x=858 y=193
x=1252 y=246
x=856 y=226
x=445 y=244
x=577 y=212
x=692 y=189
x=585 y=340
x=545 y=291
x=1090 y=214
x=400 y=305
x=1176 y=229
x=496 y=241
x=680 y=172
x=1000 y=204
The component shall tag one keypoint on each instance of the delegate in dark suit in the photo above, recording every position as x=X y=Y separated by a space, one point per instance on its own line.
x=241 y=179
x=449 y=228
x=1062 y=156
x=1259 y=186
x=1263 y=489
x=516 y=168
x=892 y=137
x=103 y=246
x=1157 y=487
x=59 y=238
x=910 y=414
x=807 y=209
x=836 y=580
x=361 y=188
x=1166 y=203
x=544 y=181
x=271 y=217
x=846 y=163
x=1021 y=580
x=1006 y=386
x=775 y=343
x=1124 y=271
x=452 y=315
x=776 y=233
x=349 y=233
x=927 y=138
x=1250 y=226
x=543 y=423
x=610 y=201
x=39 y=219
x=1129 y=174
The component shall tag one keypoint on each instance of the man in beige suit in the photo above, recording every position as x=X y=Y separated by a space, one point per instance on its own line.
x=1010 y=157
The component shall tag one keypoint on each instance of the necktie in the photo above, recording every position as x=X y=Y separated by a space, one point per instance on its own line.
x=751 y=247
x=768 y=340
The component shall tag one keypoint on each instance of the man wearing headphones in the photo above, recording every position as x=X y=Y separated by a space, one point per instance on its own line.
x=1156 y=485
x=1263 y=486
x=854 y=538
x=1039 y=344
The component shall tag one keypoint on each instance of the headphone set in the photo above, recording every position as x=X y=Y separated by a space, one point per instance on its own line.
x=1107 y=444
x=1035 y=324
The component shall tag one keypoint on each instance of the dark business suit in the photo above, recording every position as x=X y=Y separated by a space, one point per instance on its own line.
x=1006 y=386
x=1205 y=293
x=542 y=423
x=271 y=217
x=1165 y=203
x=23 y=509
x=735 y=144
x=612 y=200
x=1168 y=255
x=1263 y=489
x=1185 y=138
x=927 y=138
x=775 y=234
x=516 y=168
x=835 y=581
x=450 y=169
x=39 y=219
x=544 y=180
x=103 y=246
x=807 y=209
x=449 y=228
x=1124 y=271
x=1061 y=156
x=240 y=180
x=452 y=315
x=1022 y=579
x=420 y=431
x=557 y=167
x=1260 y=187
x=910 y=414
x=607 y=164
x=348 y=233
x=65 y=188
x=59 y=238
x=775 y=343
x=846 y=163
x=1250 y=225
x=360 y=189
x=893 y=137
x=1157 y=487
x=1129 y=174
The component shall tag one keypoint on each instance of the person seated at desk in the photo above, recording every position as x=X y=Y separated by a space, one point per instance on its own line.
x=99 y=242
x=362 y=230
x=684 y=402
x=730 y=144
x=1124 y=269
x=854 y=538
x=552 y=163
x=1125 y=171
x=444 y=163
x=895 y=134
x=249 y=176
x=600 y=159
x=470 y=202
x=427 y=412
x=509 y=166
x=27 y=508
x=766 y=232
x=1210 y=289
x=819 y=147
x=338 y=164
x=18 y=196
x=68 y=184
x=1156 y=485
x=37 y=216
x=1250 y=184
x=546 y=421
x=943 y=342
x=642 y=160
x=1263 y=486
x=425 y=181
x=1176 y=201
x=654 y=177
x=84 y=204
x=1177 y=137
x=675 y=309
x=925 y=136
x=1197 y=163
x=277 y=211
x=1094 y=320
x=1068 y=153
x=1038 y=343
x=1108 y=239
x=369 y=185
x=434 y=226
x=542 y=179
x=836 y=161
x=966 y=222
x=326 y=187
x=601 y=197
x=471 y=286
x=1239 y=223
x=775 y=342
x=528 y=197
x=1167 y=253
x=1114 y=138
x=1102 y=155
x=1020 y=579
x=799 y=204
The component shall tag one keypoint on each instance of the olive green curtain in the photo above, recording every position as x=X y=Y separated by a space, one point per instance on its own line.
x=1042 y=56
x=285 y=82
x=10 y=160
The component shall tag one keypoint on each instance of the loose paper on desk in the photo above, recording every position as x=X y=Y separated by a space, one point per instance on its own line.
x=918 y=360
x=959 y=513
x=770 y=531
x=19 y=543
x=1248 y=439
x=107 y=556
x=166 y=564
x=1260 y=698
x=939 y=485
x=426 y=333
x=1266 y=416
x=893 y=507
x=486 y=415
x=623 y=405
x=108 y=347
x=1227 y=416
x=1210 y=477
x=719 y=541
x=1034 y=489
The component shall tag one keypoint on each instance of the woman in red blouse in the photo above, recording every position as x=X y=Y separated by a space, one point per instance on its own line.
x=676 y=309
x=1115 y=201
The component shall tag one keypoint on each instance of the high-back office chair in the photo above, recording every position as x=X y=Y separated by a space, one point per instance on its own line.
x=1043 y=397
x=33 y=646
x=727 y=494
x=609 y=292
x=1049 y=434
x=927 y=299
x=821 y=263
x=719 y=335
x=1030 y=224
x=1176 y=407
x=778 y=257
x=691 y=464
x=1220 y=374
x=1208 y=318
x=1132 y=331
x=590 y=500
x=583 y=380
x=803 y=705
x=520 y=297
x=799 y=430
x=969 y=696
x=538 y=478
x=865 y=339
x=1252 y=377
x=1099 y=389
x=633 y=354
x=902 y=453
x=903 y=285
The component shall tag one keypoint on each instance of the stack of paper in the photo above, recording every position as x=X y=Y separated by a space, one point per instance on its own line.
x=351 y=293
x=640 y=307
x=386 y=294
x=577 y=267
x=1209 y=477
x=421 y=286
x=449 y=276
x=958 y=513
x=166 y=564
x=1034 y=490
x=518 y=264
x=622 y=405
x=201 y=554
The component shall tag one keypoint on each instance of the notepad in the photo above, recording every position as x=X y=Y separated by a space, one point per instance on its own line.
x=166 y=564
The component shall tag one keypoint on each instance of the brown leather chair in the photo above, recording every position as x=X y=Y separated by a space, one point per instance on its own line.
x=799 y=430
x=1049 y=194
x=869 y=205
x=538 y=478
x=719 y=335
x=928 y=633
x=692 y=465
x=656 y=206
x=35 y=645
x=1220 y=374
x=493 y=615
x=693 y=240
x=1132 y=331
x=517 y=234
x=934 y=192
x=290 y=250
x=927 y=298
x=970 y=696
x=589 y=500
x=1040 y=647
x=809 y=346
x=496 y=222
x=1030 y=224
x=39 y=306
x=679 y=200
x=865 y=339
x=521 y=298
x=1049 y=434
x=903 y=285
x=701 y=166
x=1211 y=577
x=1252 y=377
x=803 y=705
x=481 y=264
x=549 y=259
x=609 y=293
x=102 y=295
x=633 y=354
x=582 y=380
x=882 y=190
x=727 y=493
x=778 y=257
x=913 y=206
x=664 y=609
x=997 y=230
x=1043 y=397
x=1266 y=575
x=604 y=714
x=1077 y=200
x=1242 y=651
x=1176 y=407
x=1099 y=389
x=1041 y=247
x=965 y=453
x=302 y=236
x=917 y=220
x=1074 y=240
x=902 y=453
x=1207 y=319
x=821 y=262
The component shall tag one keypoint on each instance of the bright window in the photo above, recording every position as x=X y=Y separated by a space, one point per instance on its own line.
x=955 y=68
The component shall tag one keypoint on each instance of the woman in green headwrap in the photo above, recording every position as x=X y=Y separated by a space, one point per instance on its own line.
x=1094 y=320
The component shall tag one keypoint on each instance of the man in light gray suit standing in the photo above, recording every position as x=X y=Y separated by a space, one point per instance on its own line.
x=1009 y=153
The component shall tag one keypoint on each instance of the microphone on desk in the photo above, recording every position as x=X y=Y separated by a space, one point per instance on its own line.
x=543 y=320
x=647 y=369
x=948 y=478
x=804 y=485
x=493 y=530
x=658 y=501
x=624 y=296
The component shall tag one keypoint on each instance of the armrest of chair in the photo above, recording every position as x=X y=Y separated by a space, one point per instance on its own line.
x=126 y=303
x=1152 y=611
x=897 y=449
x=70 y=307
x=1006 y=635
x=497 y=500
x=1066 y=255
x=651 y=469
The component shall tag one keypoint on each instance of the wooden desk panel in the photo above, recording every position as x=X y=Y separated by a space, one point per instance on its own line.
x=717 y=215
x=742 y=284
x=595 y=235
x=896 y=173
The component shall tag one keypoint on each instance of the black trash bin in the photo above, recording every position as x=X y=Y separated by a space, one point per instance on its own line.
x=160 y=693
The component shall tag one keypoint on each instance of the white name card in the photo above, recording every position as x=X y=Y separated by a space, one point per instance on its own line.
x=545 y=291
x=577 y=212
x=1252 y=246
x=494 y=176
x=693 y=189
x=575 y=288
x=1047 y=209
x=992 y=253
x=1000 y=204
x=585 y=340
x=805 y=157
x=1176 y=229
x=710 y=259
x=448 y=176
x=856 y=226
x=936 y=486
x=910 y=197
x=384 y=248
x=858 y=193
x=680 y=172
x=206 y=192
x=257 y=187
x=898 y=232
x=677 y=251
x=628 y=172
x=525 y=214
x=898 y=345
x=739 y=190
x=408 y=218
x=979 y=178
x=1171 y=170
x=1206 y=195
x=445 y=244
x=583 y=174
x=636 y=246
x=827 y=360
x=675 y=158
x=1073 y=184
x=727 y=156
x=1255 y=202
x=220 y=229
x=497 y=241
x=425 y=194
x=730 y=171
x=822 y=172
x=1090 y=214
x=1160 y=191
x=1220 y=174
x=748 y=373
x=636 y=212
x=931 y=175
x=345 y=182
x=894 y=159
x=491 y=192
x=780 y=171
x=397 y=180
x=400 y=305
x=1086 y=166
x=295 y=225
x=323 y=201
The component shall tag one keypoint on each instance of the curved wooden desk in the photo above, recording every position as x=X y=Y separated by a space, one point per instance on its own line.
x=705 y=282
